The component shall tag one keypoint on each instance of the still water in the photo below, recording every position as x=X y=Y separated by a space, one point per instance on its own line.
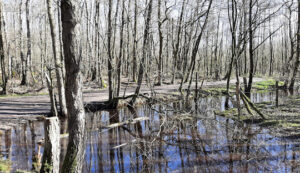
x=169 y=138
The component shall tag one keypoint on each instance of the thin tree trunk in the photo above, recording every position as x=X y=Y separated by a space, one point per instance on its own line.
x=2 y=57
x=23 y=60
x=251 y=52
x=58 y=64
x=196 y=47
x=119 y=62
x=134 y=53
x=142 y=62
x=176 y=47
x=160 y=44
x=28 y=57
x=109 y=50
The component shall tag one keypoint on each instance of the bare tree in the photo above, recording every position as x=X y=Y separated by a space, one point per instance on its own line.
x=57 y=61
x=297 y=62
x=145 y=44
x=2 y=52
x=70 y=11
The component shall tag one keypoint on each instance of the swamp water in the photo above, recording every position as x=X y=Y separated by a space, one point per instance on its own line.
x=165 y=140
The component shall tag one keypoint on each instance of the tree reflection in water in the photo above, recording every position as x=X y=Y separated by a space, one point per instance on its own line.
x=187 y=140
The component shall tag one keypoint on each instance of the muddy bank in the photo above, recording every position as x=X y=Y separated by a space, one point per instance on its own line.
x=283 y=118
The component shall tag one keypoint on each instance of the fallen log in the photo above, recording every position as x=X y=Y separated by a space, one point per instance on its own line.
x=252 y=105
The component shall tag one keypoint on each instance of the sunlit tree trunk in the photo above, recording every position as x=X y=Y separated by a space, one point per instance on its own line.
x=50 y=161
x=134 y=49
x=251 y=52
x=110 y=56
x=145 y=44
x=57 y=61
x=2 y=57
x=297 y=62
x=23 y=59
x=28 y=57
x=70 y=16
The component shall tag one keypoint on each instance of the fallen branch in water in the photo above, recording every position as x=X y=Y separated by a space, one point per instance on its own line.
x=130 y=121
x=247 y=100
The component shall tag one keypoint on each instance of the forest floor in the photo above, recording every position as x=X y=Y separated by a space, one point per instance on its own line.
x=36 y=102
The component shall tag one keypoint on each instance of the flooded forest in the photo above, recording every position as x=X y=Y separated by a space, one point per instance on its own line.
x=149 y=86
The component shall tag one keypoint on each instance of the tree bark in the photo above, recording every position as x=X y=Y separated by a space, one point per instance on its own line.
x=58 y=64
x=134 y=53
x=28 y=57
x=76 y=116
x=161 y=39
x=109 y=50
x=145 y=44
x=297 y=62
x=251 y=52
x=23 y=60
x=2 y=57
x=50 y=160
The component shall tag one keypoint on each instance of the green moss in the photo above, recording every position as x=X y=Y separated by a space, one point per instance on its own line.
x=289 y=125
x=227 y=113
x=47 y=167
x=103 y=84
x=5 y=166
x=263 y=85
x=268 y=123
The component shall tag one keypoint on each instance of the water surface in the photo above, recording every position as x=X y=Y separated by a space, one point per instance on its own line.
x=176 y=138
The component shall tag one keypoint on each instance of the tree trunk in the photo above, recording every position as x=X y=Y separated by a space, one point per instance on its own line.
x=2 y=57
x=51 y=93
x=119 y=62
x=109 y=50
x=297 y=62
x=76 y=116
x=134 y=53
x=196 y=47
x=58 y=64
x=251 y=52
x=28 y=57
x=23 y=60
x=160 y=44
x=142 y=62
x=176 y=48
x=50 y=161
